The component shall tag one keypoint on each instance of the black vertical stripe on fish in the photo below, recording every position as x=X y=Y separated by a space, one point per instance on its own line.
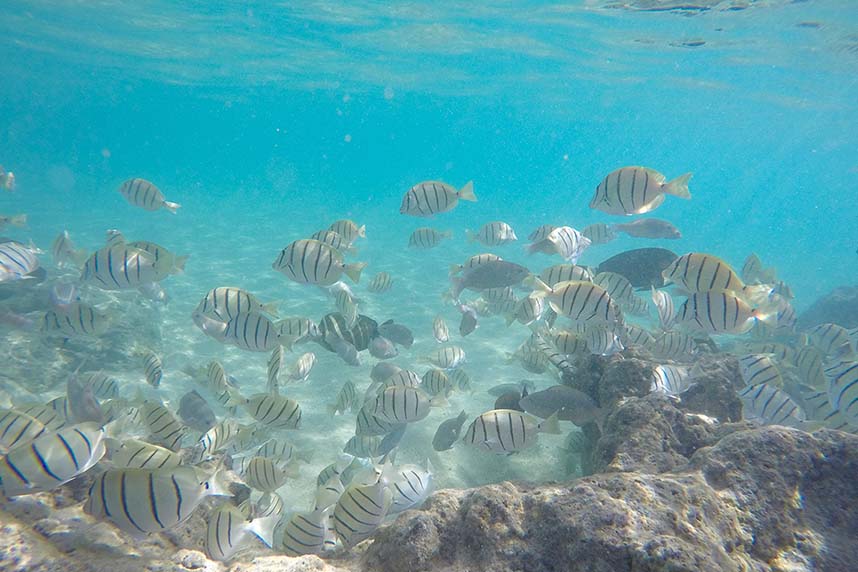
x=153 y=503
x=43 y=463
x=123 y=495
x=69 y=451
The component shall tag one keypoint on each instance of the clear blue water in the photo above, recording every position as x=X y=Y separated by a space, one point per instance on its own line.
x=268 y=122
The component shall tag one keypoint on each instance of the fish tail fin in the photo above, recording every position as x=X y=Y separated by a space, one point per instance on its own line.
x=466 y=193
x=351 y=250
x=179 y=264
x=454 y=269
x=470 y=235
x=533 y=247
x=678 y=187
x=362 y=231
x=172 y=207
x=550 y=425
x=353 y=271
x=767 y=318
x=271 y=308
x=447 y=234
x=18 y=220
x=537 y=284
x=332 y=409
x=263 y=528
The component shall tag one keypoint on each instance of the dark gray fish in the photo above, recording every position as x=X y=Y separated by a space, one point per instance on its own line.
x=510 y=400
x=359 y=335
x=196 y=413
x=494 y=274
x=468 y=323
x=346 y=350
x=83 y=405
x=448 y=432
x=383 y=370
x=391 y=440
x=382 y=348
x=569 y=404
x=642 y=266
x=520 y=387
x=396 y=333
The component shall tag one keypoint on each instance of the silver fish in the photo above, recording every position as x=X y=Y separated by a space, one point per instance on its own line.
x=431 y=197
x=141 y=193
x=448 y=432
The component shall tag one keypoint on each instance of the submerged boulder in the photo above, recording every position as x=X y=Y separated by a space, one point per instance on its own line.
x=840 y=306
x=764 y=499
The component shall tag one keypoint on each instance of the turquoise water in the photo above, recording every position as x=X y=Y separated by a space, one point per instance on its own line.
x=269 y=122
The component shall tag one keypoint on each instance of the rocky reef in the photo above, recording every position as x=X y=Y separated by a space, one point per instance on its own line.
x=673 y=485
x=840 y=306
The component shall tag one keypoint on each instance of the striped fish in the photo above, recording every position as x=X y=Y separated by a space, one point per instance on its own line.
x=142 y=501
x=435 y=382
x=253 y=332
x=440 y=331
x=563 y=240
x=410 y=485
x=401 y=405
x=363 y=446
x=494 y=233
x=474 y=261
x=674 y=345
x=75 y=319
x=769 y=405
x=121 y=267
x=52 y=419
x=335 y=469
x=569 y=343
x=817 y=407
x=665 y=308
x=264 y=474
x=381 y=282
x=599 y=233
x=152 y=369
x=540 y=232
x=104 y=386
x=348 y=229
x=553 y=275
x=719 y=313
x=347 y=307
x=165 y=261
x=309 y=261
x=696 y=272
x=449 y=357
x=616 y=285
x=163 y=425
x=506 y=431
x=228 y=530
x=808 y=360
x=335 y=240
x=637 y=336
x=137 y=454
x=18 y=428
x=636 y=190
x=277 y=450
x=360 y=511
x=601 y=341
x=584 y=302
x=760 y=368
x=216 y=439
x=531 y=358
x=52 y=459
x=843 y=389
x=64 y=252
x=346 y=399
x=328 y=493
x=425 y=237
x=670 y=380
x=227 y=302
x=432 y=197
x=307 y=533
x=754 y=273
x=17 y=261
x=297 y=328
x=367 y=424
x=528 y=310
x=274 y=411
x=300 y=370
x=832 y=340
x=141 y=193
x=635 y=306
x=275 y=363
